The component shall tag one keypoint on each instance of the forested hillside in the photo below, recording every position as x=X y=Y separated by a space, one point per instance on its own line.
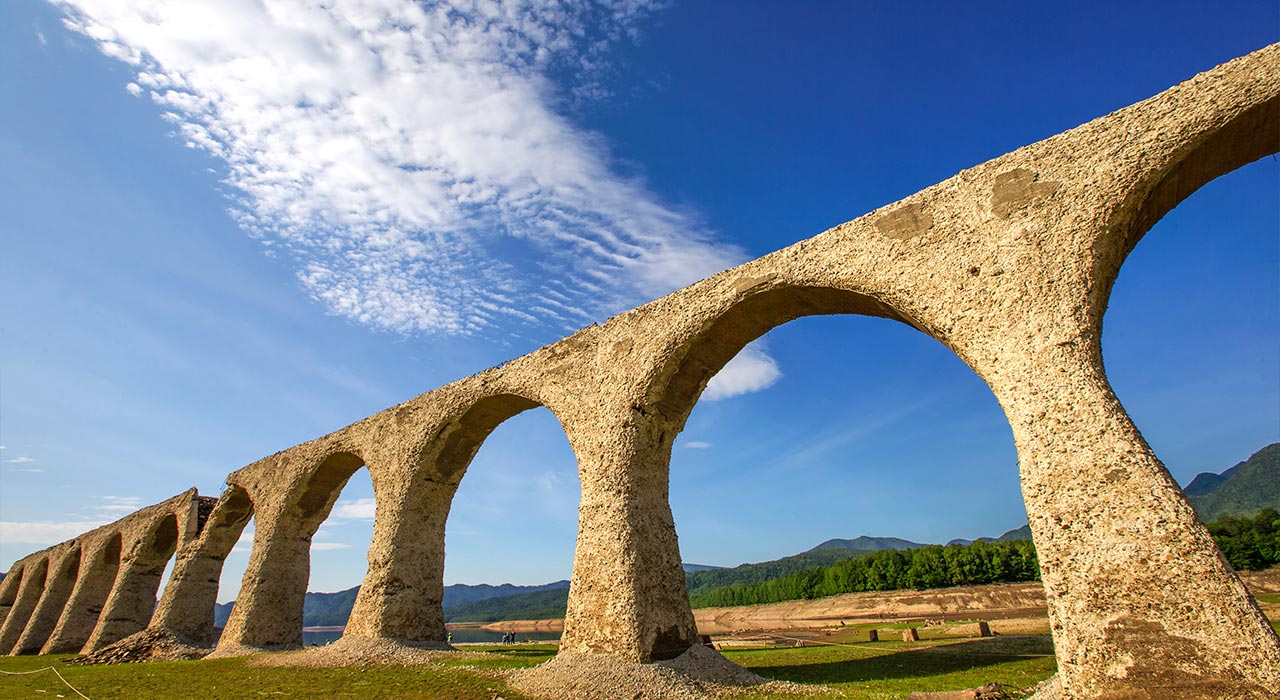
x=932 y=566
x=1242 y=490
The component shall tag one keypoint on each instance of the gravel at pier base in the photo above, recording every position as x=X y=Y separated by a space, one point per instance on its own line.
x=356 y=651
x=147 y=645
x=699 y=674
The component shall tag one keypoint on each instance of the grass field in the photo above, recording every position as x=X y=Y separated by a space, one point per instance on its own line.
x=861 y=671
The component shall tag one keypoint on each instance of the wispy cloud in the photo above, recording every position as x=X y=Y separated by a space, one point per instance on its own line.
x=44 y=532
x=751 y=370
x=328 y=546
x=359 y=509
x=697 y=445
x=116 y=507
x=409 y=158
x=21 y=460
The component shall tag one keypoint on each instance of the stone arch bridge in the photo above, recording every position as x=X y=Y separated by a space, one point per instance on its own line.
x=1009 y=264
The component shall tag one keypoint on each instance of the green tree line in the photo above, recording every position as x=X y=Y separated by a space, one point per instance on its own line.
x=933 y=566
x=1249 y=543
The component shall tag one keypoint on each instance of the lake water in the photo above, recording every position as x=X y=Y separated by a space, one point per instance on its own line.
x=462 y=636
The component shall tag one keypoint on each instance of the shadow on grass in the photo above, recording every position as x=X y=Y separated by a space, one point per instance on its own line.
x=530 y=652
x=907 y=663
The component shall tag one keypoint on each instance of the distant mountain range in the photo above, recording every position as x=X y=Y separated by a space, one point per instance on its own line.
x=333 y=609
x=1242 y=490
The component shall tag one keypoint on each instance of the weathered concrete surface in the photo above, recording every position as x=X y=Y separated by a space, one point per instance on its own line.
x=64 y=567
x=147 y=549
x=98 y=568
x=1009 y=264
x=9 y=588
x=34 y=571
x=63 y=591
x=186 y=608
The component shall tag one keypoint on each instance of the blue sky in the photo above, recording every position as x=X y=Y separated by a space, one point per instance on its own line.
x=225 y=234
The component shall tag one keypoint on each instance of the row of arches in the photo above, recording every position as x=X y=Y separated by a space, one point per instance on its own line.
x=1009 y=265
x=89 y=592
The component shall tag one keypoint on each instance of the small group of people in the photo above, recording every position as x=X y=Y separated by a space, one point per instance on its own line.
x=508 y=637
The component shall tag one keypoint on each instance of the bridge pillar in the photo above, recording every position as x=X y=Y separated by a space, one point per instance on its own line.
x=132 y=600
x=1141 y=603
x=402 y=594
x=9 y=590
x=61 y=580
x=97 y=574
x=268 y=610
x=186 y=608
x=29 y=592
x=628 y=596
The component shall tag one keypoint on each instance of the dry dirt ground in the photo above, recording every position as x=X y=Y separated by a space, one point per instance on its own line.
x=1011 y=608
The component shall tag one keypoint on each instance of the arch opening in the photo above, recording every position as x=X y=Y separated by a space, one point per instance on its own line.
x=189 y=605
x=473 y=428
x=1191 y=334
x=53 y=601
x=1246 y=138
x=513 y=521
x=682 y=382
x=874 y=430
x=336 y=511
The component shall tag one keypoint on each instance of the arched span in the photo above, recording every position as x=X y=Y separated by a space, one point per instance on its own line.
x=682 y=380
x=402 y=594
x=461 y=441
x=61 y=580
x=133 y=597
x=187 y=605
x=34 y=576
x=97 y=575
x=1247 y=136
x=320 y=490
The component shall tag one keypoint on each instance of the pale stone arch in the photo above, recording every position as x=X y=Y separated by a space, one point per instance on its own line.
x=132 y=601
x=100 y=564
x=34 y=574
x=64 y=568
x=402 y=594
x=186 y=608
x=629 y=544
x=296 y=491
x=9 y=589
x=680 y=381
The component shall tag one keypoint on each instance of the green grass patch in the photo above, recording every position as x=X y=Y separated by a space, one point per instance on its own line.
x=230 y=679
x=861 y=672
x=884 y=670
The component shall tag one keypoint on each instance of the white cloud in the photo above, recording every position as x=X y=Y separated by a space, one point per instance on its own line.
x=328 y=546
x=43 y=532
x=751 y=370
x=116 y=507
x=359 y=509
x=408 y=157
x=20 y=460
x=697 y=445
x=41 y=38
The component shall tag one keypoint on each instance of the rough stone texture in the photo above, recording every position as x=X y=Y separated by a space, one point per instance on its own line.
x=98 y=587
x=64 y=566
x=33 y=577
x=144 y=646
x=186 y=608
x=93 y=585
x=9 y=589
x=1009 y=264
